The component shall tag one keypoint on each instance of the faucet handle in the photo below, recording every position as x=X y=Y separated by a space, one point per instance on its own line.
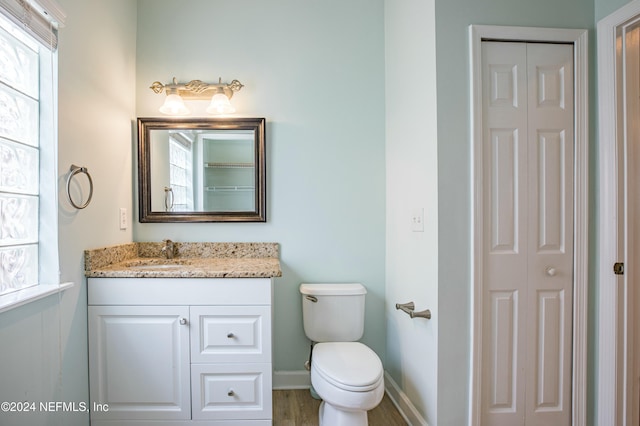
x=168 y=249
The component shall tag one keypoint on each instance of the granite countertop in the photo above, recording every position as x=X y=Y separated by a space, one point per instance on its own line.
x=190 y=260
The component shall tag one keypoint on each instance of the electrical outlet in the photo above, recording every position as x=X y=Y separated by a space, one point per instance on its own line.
x=123 y=218
x=417 y=220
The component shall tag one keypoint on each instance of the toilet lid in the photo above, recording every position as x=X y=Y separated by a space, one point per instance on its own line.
x=347 y=365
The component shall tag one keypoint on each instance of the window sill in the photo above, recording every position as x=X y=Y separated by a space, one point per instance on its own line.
x=30 y=294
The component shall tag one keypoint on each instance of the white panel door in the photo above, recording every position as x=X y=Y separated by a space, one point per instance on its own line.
x=139 y=362
x=528 y=227
x=505 y=257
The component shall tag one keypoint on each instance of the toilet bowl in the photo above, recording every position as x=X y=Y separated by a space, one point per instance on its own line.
x=348 y=376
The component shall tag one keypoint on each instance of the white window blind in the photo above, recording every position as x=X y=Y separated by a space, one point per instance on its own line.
x=40 y=18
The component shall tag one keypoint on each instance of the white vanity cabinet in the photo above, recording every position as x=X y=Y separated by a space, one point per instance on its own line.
x=180 y=351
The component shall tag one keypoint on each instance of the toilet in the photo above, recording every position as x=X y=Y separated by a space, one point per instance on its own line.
x=346 y=374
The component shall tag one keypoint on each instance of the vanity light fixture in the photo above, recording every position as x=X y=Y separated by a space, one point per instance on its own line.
x=219 y=93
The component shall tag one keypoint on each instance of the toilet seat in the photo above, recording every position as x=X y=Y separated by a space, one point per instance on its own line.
x=351 y=366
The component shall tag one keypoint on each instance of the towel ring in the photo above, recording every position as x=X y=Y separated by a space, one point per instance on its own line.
x=74 y=170
x=168 y=199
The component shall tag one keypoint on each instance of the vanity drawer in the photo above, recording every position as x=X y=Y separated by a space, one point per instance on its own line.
x=230 y=334
x=231 y=391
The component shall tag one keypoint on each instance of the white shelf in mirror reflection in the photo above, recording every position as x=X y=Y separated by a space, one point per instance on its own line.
x=230 y=188
x=230 y=165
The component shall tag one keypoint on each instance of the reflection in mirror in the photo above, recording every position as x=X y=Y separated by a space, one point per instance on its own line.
x=223 y=177
x=205 y=170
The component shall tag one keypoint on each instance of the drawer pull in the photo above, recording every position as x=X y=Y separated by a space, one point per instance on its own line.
x=231 y=392
x=231 y=335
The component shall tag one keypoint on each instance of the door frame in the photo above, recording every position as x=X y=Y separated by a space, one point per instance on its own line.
x=579 y=39
x=615 y=307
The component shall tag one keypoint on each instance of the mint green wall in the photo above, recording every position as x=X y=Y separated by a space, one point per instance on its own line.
x=315 y=70
x=604 y=8
x=454 y=166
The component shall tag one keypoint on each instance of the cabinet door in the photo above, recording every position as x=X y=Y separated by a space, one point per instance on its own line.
x=230 y=334
x=139 y=362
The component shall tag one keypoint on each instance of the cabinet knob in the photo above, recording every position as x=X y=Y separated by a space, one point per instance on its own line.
x=231 y=392
x=551 y=271
x=183 y=321
x=231 y=335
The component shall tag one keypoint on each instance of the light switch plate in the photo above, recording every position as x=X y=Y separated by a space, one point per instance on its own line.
x=123 y=218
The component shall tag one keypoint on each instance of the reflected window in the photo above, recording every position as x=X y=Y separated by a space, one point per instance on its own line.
x=181 y=172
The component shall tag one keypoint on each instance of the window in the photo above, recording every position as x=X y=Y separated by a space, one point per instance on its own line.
x=28 y=160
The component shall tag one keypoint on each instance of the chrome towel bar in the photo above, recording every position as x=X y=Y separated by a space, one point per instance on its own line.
x=409 y=309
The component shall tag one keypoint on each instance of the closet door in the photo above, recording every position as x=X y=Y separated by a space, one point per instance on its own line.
x=528 y=253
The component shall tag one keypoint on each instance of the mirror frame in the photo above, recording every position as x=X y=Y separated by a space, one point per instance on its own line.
x=147 y=124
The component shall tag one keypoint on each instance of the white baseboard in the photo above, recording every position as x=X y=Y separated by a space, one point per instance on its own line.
x=295 y=379
x=300 y=379
x=402 y=402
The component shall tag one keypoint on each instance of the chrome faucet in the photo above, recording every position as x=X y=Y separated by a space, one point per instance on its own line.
x=167 y=249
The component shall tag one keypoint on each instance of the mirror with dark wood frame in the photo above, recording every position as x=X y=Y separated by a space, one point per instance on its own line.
x=201 y=170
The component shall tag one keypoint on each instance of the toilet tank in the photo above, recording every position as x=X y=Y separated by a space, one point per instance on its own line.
x=333 y=312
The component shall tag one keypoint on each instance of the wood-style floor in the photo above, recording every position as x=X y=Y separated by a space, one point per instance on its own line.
x=296 y=407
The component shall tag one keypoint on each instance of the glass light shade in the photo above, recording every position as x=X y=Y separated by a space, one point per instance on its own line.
x=174 y=105
x=220 y=105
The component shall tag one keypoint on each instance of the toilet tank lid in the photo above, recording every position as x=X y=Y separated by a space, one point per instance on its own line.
x=344 y=289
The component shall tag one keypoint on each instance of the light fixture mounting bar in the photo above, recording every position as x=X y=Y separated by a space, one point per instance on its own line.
x=197 y=89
